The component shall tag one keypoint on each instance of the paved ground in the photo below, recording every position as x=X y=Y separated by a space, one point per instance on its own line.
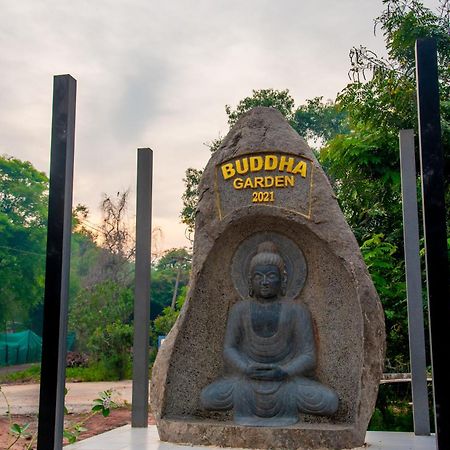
x=127 y=438
x=24 y=398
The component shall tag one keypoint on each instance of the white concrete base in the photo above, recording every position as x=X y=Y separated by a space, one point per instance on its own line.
x=127 y=438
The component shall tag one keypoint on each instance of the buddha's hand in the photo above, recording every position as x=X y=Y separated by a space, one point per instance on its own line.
x=267 y=372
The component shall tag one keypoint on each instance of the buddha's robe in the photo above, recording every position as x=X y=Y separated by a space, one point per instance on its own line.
x=291 y=348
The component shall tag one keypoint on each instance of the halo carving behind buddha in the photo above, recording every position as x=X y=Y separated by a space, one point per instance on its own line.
x=292 y=255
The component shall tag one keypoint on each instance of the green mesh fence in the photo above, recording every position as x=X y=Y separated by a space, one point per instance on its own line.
x=24 y=347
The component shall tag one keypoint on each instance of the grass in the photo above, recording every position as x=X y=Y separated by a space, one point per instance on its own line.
x=393 y=410
x=30 y=374
x=395 y=417
x=95 y=372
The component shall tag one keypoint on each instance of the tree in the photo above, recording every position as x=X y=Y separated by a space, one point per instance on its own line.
x=170 y=274
x=180 y=261
x=316 y=121
x=319 y=122
x=115 y=237
x=23 y=217
x=104 y=271
x=166 y=320
x=174 y=258
x=364 y=164
x=358 y=136
x=280 y=100
x=95 y=307
x=190 y=199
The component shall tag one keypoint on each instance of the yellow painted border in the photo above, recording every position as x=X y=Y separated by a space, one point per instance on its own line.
x=311 y=184
x=216 y=188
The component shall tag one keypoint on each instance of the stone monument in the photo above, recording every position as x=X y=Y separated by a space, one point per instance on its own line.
x=280 y=343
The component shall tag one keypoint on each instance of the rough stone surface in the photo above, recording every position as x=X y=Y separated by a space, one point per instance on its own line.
x=303 y=437
x=338 y=291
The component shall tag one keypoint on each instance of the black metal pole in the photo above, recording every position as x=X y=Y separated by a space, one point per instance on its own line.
x=53 y=365
x=139 y=413
x=432 y=168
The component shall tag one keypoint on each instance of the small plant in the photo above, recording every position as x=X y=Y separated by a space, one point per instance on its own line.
x=17 y=431
x=103 y=404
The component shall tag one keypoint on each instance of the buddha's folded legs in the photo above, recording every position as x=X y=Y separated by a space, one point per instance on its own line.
x=315 y=398
x=218 y=396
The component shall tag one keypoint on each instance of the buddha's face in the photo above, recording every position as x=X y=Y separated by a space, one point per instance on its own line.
x=266 y=281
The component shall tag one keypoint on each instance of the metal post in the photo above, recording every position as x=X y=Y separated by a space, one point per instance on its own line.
x=53 y=365
x=139 y=413
x=432 y=168
x=414 y=285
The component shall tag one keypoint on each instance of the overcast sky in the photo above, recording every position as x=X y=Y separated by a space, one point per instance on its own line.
x=158 y=74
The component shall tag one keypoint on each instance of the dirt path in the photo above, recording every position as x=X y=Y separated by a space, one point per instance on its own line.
x=24 y=398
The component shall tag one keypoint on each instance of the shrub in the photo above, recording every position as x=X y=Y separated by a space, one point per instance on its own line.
x=76 y=359
x=111 y=345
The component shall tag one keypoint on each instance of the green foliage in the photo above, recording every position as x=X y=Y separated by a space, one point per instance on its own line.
x=100 y=282
x=115 y=338
x=96 y=307
x=101 y=306
x=173 y=259
x=164 y=323
x=393 y=411
x=30 y=374
x=72 y=435
x=112 y=344
x=387 y=270
x=395 y=417
x=320 y=121
x=95 y=371
x=190 y=198
x=280 y=100
x=23 y=216
x=359 y=134
x=364 y=165
x=316 y=121
x=104 y=403
x=174 y=264
x=366 y=180
x=214 y=144
x=23 y=192
x=402 y=22
x=379 y=257
x=18 y=432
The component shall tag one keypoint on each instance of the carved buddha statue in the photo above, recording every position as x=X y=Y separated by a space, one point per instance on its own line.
x=269 y=354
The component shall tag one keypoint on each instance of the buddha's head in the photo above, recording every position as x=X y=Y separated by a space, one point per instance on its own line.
x=267 y=273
